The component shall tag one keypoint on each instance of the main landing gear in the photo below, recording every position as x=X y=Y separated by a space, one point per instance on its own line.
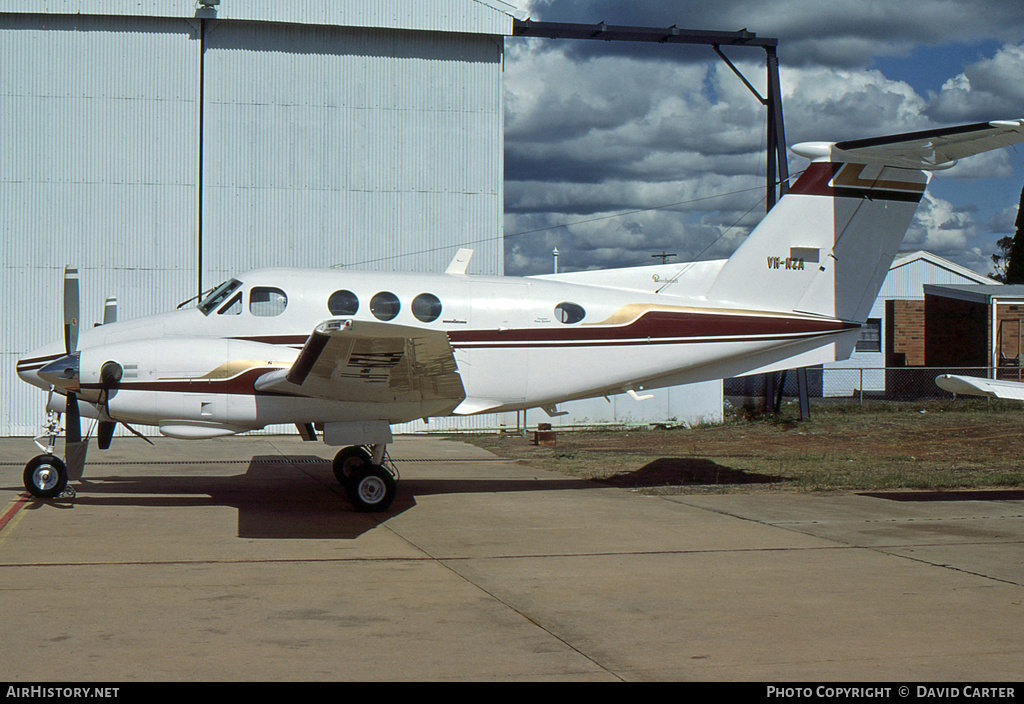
x=368 y=475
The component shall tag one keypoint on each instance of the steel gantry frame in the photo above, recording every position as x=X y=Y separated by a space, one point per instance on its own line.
x=776 y=167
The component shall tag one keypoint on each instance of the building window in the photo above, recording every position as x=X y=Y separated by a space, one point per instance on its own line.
x=385 y=306
x=343 y=303
x=870 y=336
x=426 y=307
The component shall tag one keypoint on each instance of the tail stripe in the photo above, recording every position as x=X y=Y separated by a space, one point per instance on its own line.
x=846 y=181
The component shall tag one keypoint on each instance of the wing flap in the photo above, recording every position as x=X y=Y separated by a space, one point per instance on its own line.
x=368 y=362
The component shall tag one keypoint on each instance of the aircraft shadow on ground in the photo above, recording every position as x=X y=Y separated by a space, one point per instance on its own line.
x=949 y=495
x=687 y=471
x=276 y=497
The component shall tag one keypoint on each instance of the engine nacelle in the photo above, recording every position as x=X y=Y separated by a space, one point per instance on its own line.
x=199 y=386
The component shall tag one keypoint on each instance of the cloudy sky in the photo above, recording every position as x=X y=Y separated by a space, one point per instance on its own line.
x=619 y=151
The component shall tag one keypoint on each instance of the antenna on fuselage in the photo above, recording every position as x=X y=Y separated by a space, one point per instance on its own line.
x=460 y=263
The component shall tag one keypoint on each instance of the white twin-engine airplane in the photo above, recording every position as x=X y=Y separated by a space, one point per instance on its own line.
x=351 y=353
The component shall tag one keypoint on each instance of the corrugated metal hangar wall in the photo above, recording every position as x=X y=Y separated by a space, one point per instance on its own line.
x=163 y=149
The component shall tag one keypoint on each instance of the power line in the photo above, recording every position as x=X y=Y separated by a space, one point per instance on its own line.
x=548 y=228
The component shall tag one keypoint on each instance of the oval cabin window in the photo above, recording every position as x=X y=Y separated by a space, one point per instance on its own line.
x=426 y=307
x=343 y=303
x=569 y=313
x=385 y=306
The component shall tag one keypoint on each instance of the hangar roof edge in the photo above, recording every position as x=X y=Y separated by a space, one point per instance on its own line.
x=463 y=16
x=980 y=293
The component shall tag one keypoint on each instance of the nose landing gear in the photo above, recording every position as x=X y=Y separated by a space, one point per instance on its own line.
x=46 y=476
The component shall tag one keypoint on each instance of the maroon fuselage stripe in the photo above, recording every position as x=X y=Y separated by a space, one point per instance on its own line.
x=657 y=326
x=653 y=327
x=30 y=364
x=241 y=385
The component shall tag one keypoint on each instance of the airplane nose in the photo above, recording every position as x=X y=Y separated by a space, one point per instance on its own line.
x=28 y=368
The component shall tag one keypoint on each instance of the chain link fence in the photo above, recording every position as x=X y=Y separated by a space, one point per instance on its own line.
x=858 y=385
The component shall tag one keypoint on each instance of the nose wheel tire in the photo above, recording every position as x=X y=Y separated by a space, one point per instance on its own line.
x=45 y=477
x=371 y=488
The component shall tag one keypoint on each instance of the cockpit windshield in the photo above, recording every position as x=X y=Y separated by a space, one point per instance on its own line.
x=218 y=296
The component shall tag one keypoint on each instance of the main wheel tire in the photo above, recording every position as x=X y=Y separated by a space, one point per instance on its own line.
x=45 y=476
x=371 y=489
x=351 y=461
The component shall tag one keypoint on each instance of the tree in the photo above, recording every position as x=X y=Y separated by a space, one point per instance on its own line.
x=1009 y=263
x=1001 y=258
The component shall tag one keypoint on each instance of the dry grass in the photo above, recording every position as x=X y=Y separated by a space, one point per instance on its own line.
x=934 y=445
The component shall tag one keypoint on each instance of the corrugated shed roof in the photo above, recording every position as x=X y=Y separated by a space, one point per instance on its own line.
x=467 y=16
x=905 y=259
x=980 y=293
x=909 y=272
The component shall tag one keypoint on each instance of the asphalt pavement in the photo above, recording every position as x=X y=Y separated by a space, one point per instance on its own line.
x=239 y=559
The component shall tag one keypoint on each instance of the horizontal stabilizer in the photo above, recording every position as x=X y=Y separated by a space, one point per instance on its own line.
x=928 y=150
x=826 y=247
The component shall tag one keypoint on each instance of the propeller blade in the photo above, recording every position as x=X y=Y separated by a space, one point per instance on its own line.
x=74 y=447
x=74 y=459
x=72 y=420
x=135 y=432
x=70 y=310
x=105 y=433
x=110 y=311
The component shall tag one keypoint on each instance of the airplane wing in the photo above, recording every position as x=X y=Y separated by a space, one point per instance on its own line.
x=368 y=362
x=978 y=386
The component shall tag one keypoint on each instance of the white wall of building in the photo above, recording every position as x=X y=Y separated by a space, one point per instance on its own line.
x=159 y=148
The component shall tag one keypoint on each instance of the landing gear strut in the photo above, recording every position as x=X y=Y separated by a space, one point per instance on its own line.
x=46 y=476
x=368 y=475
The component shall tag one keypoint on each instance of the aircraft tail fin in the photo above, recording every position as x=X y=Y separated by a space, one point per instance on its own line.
x=827 y=245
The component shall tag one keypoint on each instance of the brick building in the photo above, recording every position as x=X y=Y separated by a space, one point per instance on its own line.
x=904 y=335
x=895 y=333
x=974 y=326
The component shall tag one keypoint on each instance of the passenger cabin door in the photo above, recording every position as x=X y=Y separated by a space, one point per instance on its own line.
x=497 y=361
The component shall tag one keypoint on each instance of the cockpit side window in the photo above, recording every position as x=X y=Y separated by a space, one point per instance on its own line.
x=266 y=302
x=218 y=296
x=233 y=307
